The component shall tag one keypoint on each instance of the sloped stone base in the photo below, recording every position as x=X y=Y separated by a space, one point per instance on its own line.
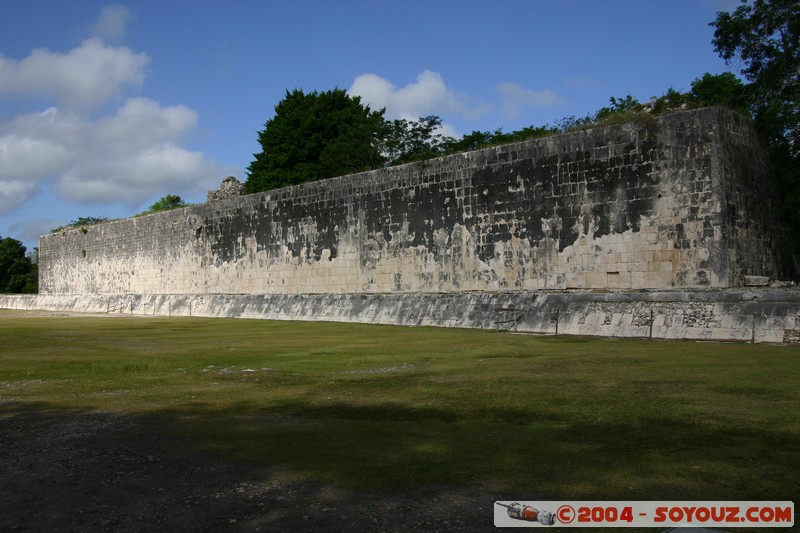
x=762 y=315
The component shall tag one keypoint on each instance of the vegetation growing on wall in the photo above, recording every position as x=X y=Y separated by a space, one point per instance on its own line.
x=170 y=201
x=81 y=222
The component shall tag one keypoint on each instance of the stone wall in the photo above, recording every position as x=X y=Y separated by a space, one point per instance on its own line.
x=680 y=201
x=746 y=315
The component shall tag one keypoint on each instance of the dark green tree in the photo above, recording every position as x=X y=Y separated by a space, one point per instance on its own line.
x=315 y=136
x=482 y=139
x=764 y=37
x=17 y=270
x=724 y=89
x=472 y=141
x=531 y=132
x=405 y=141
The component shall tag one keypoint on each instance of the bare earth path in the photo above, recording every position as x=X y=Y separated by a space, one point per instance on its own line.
x=108 y=472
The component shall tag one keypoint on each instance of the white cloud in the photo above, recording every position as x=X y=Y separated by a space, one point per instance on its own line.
x=84 y=78
x=112 y=23
x=373 y=90
x=126 y=157
x=516 y=100
x=13 y=193
x=136 y=177
x=428 y=95
x=141 y=123
x=24 y=158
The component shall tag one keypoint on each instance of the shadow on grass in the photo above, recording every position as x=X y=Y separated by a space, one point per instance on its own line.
x=392 y=447
x=69 y=470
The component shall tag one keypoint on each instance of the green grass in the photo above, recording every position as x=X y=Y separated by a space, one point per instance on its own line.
x=392 y=408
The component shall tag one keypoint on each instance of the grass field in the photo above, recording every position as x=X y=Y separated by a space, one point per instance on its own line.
x=391 y=408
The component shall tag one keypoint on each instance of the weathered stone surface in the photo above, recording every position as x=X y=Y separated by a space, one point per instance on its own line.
x=762 y=316
x=666 y=217
x=230 y=188
x=684 y=201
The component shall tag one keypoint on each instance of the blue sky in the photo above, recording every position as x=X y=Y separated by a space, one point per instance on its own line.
x=107 y=107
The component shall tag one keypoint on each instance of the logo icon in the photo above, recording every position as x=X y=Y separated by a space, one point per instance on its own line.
x=528 y=513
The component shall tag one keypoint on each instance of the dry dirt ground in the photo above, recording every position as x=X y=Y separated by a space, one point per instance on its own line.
x=88 y=471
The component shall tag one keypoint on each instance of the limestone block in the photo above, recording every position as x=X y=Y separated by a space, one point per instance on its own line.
x=756 y=281
x=769 y=335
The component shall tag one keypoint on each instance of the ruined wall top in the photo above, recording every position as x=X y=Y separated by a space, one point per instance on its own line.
x=229 y=188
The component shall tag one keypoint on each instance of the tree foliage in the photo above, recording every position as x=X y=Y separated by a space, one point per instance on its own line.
x=482 y=139
x=764 y=36
x=18 y=271
x=618 y=105
x=315 y=136
x=404 y=141
x=81 y=221
x=724 y=89
x=170 y=201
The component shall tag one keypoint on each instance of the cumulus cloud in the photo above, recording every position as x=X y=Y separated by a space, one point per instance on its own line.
x=428 y=95
x=135 y=177
x=141 y=123
x=84 y=78
x=125 y=157
x=79 y=150
x=14 y=193
x=112 y=23
x=516 y=100
x=24 y=158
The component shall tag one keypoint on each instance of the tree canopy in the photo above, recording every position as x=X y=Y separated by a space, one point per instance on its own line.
x=18 y=271
x=764 y=36
x=406 y=141
x=722 y=90
x=314 y=136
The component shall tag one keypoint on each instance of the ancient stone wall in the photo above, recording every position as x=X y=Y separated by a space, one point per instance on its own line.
x=764 y=315
x=680 y=201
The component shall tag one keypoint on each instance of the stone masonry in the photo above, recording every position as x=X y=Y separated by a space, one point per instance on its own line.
x=681 y=201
